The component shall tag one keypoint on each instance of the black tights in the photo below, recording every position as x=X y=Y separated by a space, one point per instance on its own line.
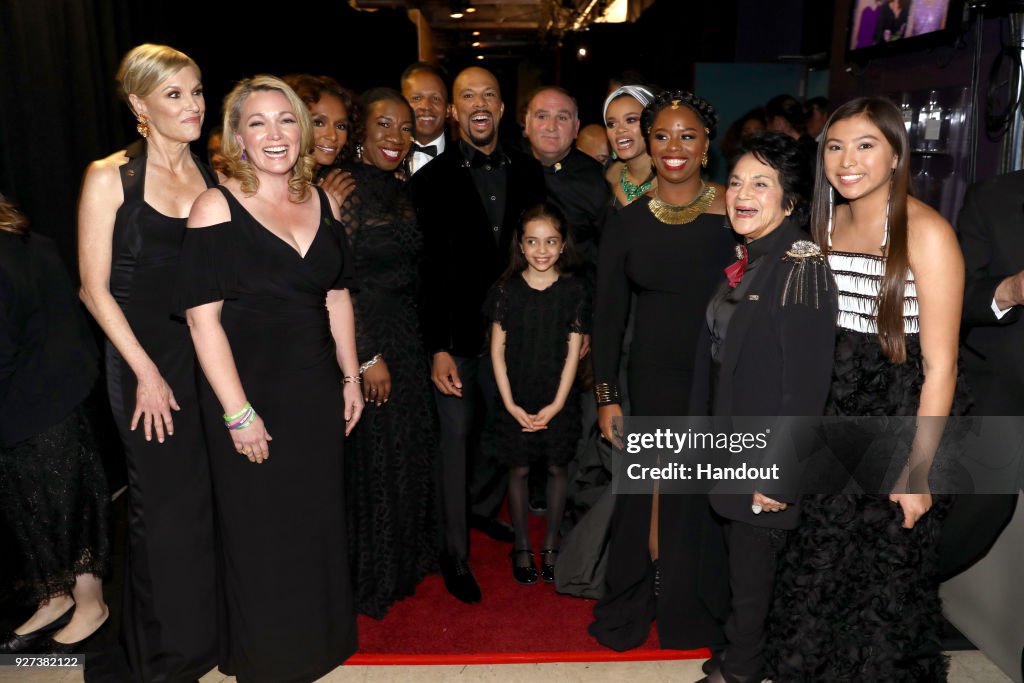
x=518 y=499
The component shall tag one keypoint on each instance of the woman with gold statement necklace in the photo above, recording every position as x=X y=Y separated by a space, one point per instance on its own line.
x=667 y=248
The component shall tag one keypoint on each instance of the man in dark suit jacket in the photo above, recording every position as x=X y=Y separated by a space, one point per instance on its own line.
x=424 y=89
x=468 y=202
x=991 y=231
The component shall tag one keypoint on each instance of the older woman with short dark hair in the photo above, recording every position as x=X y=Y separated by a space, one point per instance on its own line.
x=767 y=350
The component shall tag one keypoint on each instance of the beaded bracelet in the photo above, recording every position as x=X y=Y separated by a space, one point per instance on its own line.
x=370 y=363
x=352 y=379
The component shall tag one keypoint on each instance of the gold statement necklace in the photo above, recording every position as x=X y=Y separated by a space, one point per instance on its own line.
x=681 y=214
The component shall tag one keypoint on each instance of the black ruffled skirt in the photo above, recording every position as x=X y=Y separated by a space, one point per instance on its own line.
x=856 y=595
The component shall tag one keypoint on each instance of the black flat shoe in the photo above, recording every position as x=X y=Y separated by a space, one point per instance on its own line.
x=548 y=556
x=53 y=647
x=14 y=642
x=525 y=575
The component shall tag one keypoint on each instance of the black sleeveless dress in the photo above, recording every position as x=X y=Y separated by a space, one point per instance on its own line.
x=289 y=615
x=169 y=617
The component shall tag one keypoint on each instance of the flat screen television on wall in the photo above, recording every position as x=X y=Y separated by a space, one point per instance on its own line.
x=879 y=27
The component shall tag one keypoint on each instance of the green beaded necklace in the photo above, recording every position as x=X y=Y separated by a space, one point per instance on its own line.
x=631 y=190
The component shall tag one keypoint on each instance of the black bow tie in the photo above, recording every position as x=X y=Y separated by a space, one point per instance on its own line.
x=429 y=150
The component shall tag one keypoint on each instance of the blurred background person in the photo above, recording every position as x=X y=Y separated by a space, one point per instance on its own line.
x=214 y=157
x=53 y=493
x=745 y=127
x=785 y=114
x=817 y=110
x=593 y=142
x=131 y=223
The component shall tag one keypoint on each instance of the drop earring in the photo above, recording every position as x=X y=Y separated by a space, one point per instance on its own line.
x=831 y=212
x=143 y=127
x=704 y=160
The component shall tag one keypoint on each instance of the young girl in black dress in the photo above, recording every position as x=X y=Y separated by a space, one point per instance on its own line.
x=540 y=314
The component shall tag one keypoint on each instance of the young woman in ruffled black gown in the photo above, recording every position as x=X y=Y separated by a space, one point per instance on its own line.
x=857 y=596
x=394 y=533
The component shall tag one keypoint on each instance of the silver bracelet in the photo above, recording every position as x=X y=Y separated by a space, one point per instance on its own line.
x=351 y=379
x=370 y=363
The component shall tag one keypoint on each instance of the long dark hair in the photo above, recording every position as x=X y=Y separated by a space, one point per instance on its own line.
x=567 y=261
x=886 y=117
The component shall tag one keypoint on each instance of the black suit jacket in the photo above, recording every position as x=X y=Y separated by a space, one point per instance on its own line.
x=991 y=232
x=461 y=258
x=778 y=354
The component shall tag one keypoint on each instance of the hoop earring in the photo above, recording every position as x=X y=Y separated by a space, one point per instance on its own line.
x=143 y=127
x=359 y=151
x=704 y=160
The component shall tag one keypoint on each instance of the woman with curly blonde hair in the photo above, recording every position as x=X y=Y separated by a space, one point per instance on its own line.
x=265 y=273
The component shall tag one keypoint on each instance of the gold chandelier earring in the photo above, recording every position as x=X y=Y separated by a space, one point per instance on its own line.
x=704 y=160
x=143 y=126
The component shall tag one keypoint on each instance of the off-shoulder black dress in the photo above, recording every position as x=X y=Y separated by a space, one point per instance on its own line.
x=287 y=599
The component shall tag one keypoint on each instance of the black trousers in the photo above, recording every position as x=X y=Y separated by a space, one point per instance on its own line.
x=461 y=423
x=752 y=560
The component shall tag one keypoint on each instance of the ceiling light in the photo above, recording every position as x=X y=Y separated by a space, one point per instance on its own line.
x=456 y=14
x=470 y=10
x=476 y=33
x=476 y=44
x=582 y=52
x=480 y=57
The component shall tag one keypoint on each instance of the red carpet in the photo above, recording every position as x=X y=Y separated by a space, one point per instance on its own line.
x=512 y=624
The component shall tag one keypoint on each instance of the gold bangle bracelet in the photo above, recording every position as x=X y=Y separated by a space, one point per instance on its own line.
x=606 y=394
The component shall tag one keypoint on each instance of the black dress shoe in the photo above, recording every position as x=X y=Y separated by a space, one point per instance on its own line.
x=53 y=647
x=526 y=575
x=14 y=642
x=547 y=564
x=495 y=528
x=458 y=579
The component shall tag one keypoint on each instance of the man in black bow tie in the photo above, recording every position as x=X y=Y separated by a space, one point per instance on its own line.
x=423 y=87
x=468 y=201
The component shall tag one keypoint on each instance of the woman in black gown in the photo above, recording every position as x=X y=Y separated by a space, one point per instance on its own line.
x=53 y=493
x=668 y=250
x=130 y=228
x=390 y=482
x=264 y=277
x=857 y=592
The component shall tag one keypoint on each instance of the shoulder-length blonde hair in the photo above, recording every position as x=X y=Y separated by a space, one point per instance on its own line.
x=146 y=66
x=12 y=220
x=886 y=117
x=238 y=166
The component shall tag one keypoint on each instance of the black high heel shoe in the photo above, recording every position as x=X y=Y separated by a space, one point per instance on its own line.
x=548 y=557
x=525 y=575
x=24 y=642
x=53 y=647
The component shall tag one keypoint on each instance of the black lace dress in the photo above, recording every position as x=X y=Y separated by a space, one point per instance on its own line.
x=391 y=486
x=537 y=324
x=856 y=594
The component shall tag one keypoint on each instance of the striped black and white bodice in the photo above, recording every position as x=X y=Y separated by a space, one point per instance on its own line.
x=859 y=279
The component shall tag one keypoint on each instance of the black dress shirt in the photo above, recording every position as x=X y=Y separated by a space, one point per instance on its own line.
x=576 y=185
x=490 y=180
